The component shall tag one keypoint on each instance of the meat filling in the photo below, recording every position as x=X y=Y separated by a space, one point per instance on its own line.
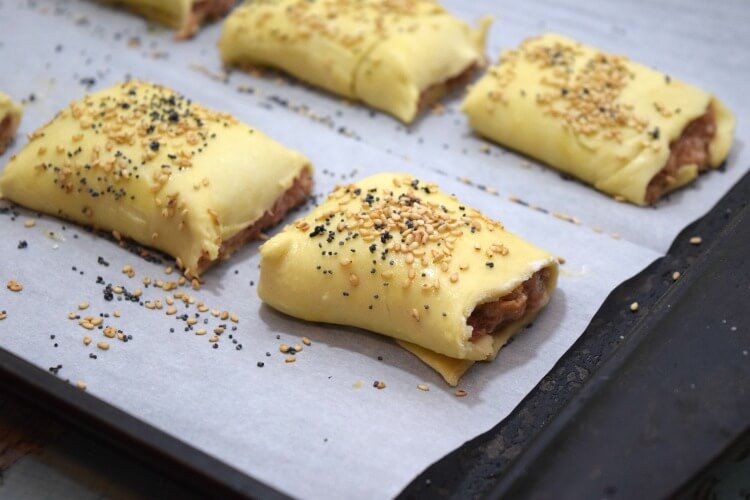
x=526 y=298
x=691 y=148
x=292 y=197
x=7 y=130
x=433 y=93
x=203 y=10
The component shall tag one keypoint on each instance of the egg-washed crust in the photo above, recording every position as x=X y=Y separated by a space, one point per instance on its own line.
x=342 y=46
x=8 y=127
x=394 y=255
x=292 y=198
x=151 y=165
x=626 y=129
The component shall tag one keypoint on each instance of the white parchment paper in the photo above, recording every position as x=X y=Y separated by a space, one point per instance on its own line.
x=317 y=428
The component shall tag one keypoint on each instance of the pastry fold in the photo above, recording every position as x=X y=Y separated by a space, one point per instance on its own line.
x=10 y=118
x=185 y=16
x=628 y=130
x=398 y=56
x=394 y=255
x=151 y=165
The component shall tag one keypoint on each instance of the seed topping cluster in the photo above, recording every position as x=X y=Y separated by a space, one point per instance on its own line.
x=400 y=224
x=585 y=97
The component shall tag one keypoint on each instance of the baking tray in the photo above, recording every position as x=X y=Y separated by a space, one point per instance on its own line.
x=640 y=405
x=593 y=417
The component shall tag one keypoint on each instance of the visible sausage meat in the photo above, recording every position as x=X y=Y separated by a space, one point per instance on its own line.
x=203 y=10
x=691 y=148
x=292 y=197
x=8 y=127
x=528 y=297
x=433 y=93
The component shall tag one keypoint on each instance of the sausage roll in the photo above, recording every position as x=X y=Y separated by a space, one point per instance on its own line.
x=186 y=16
x=144 y=162
x=626 y=129
x=394 y=255
x=10 y=117
x=398 y=56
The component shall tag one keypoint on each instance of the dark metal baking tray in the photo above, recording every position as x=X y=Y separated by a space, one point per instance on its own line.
x=643 y=402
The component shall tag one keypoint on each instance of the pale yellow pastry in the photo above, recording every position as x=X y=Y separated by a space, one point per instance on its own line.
x=394 y=55
x=394 y=255
x=146 y=163
x=628 y=130
x=10 y=117
x=186 y=16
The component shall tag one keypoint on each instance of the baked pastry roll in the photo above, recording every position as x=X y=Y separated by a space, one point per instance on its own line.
x=151 y=165
x=185 y=16
x=626 y=129
x=10 y=117
x=394 y=255
x=398 y=56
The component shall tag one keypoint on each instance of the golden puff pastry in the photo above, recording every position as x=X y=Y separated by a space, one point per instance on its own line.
x=144 y=162
x=398 y=56
x=186 y=16
x=10 y=117
x=626 y=129
x=394 y=255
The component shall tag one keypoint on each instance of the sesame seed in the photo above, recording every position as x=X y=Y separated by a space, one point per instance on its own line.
x=696 y=240
x=423 y=387
x=290 y=359
x=3 y=315
x=83 y=305
x=86 y=340
x=234 y=318
x=72 y=315
x=676 y=275
x=460 y=393
x=81 y=385
x=297 y=347
x=415 y=314
x=353 y=280
x=14 y=286
x=201 y=331
x=284 y=348
x=103 y=346
x=454 y=277
x=171 y=310
x=29 y=223
x=306 y=341
x=634 y=306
